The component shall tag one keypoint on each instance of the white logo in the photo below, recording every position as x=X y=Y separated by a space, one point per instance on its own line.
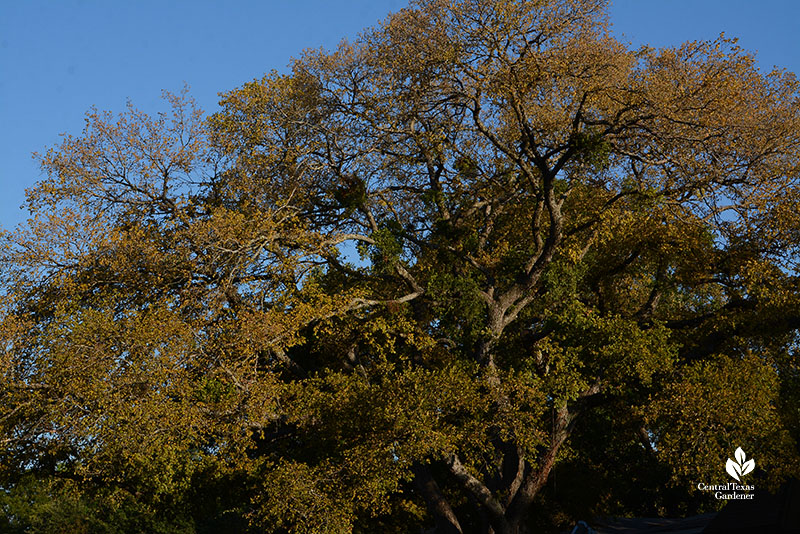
x=734 y=490
x=739 y=468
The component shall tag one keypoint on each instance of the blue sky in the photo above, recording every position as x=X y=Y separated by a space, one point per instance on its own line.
x=60 y=57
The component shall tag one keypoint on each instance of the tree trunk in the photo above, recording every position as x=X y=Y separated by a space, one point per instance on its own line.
x=443 y=515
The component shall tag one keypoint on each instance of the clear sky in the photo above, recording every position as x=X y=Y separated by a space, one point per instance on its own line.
x=60 y=57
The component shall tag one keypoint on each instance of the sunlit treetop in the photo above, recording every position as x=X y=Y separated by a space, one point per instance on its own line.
x=409 y=282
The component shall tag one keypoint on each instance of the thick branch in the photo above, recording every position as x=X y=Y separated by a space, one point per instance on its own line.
x=446 y=520
x=480 y=493
x=563 y=423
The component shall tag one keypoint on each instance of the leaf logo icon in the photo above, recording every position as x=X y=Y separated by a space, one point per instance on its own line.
x=740 y=467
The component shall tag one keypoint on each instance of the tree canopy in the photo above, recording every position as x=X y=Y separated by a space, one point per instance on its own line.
x=485 y=269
